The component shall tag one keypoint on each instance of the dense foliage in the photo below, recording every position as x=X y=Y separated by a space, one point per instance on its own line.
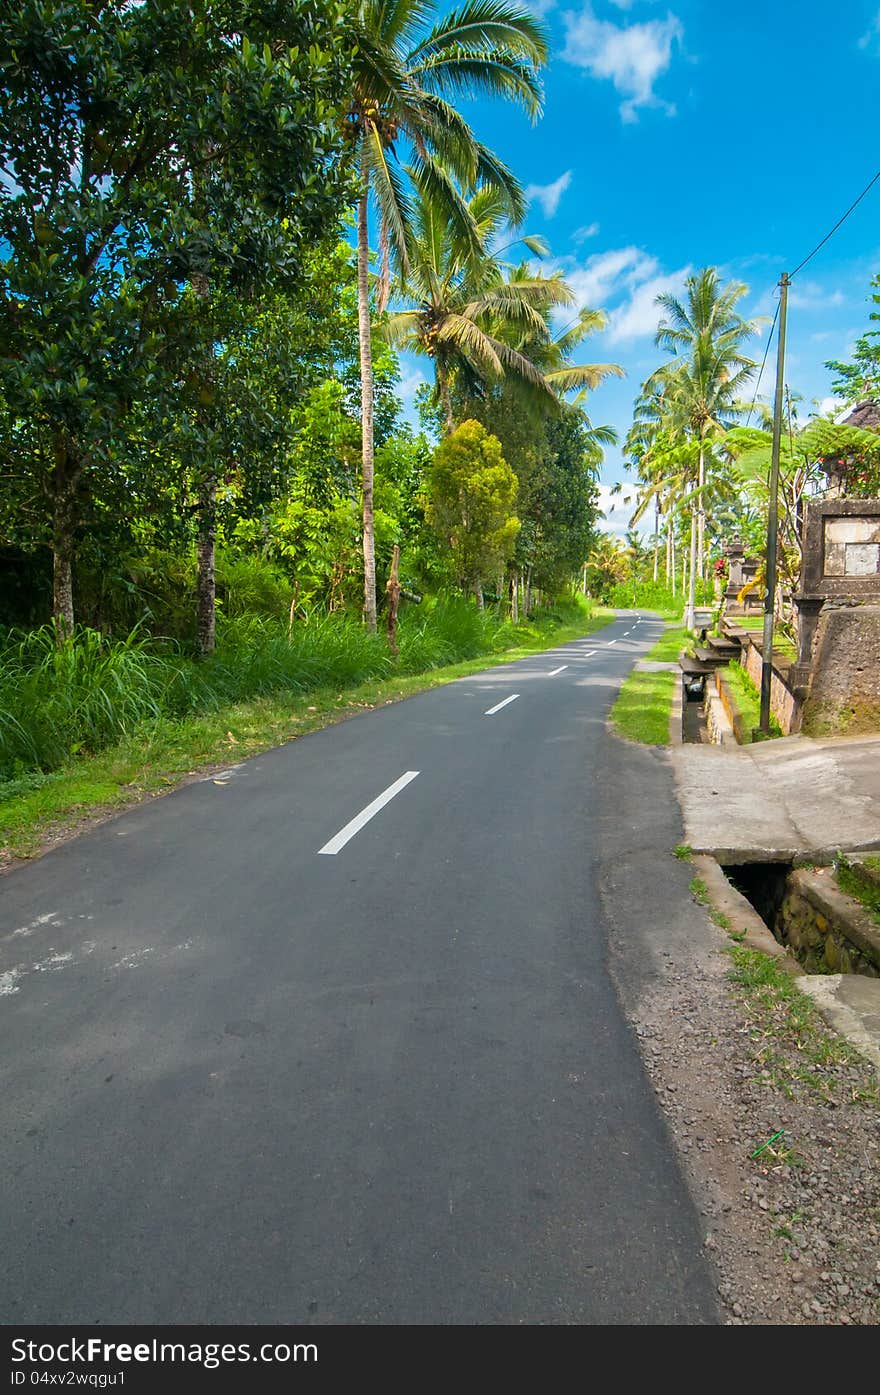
x=203 y=454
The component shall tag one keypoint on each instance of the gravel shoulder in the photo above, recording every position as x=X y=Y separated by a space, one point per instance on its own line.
x=793 y=1233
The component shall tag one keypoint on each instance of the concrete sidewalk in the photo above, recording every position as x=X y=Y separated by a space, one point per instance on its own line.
x=772 y=800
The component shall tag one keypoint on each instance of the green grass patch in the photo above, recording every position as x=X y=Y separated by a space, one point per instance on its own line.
x=641 y=712
x=748 y=700
x=644 y=703
x=861 y=887
x=155 y=755
x=699 y=891
x=683 y=851
x=670 y=645
x=792 y=1049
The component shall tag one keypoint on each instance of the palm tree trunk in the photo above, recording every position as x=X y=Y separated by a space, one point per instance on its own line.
x=366 y=365
x=656 y=538
x=691 y=581
x=672 y=558
x=701 y=517
x=445 y=398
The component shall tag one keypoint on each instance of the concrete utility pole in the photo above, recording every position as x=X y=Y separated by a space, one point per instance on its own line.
x=773 y=512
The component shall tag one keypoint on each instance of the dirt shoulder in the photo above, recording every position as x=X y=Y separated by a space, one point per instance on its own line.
x=737 y=1055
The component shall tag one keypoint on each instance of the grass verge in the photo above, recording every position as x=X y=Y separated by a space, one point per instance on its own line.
x=748 y=701
x=641 y=712
x=792 y=1048
x=37 y=809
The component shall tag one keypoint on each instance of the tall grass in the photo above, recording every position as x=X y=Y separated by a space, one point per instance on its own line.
x=60 y=700
x=654 y=595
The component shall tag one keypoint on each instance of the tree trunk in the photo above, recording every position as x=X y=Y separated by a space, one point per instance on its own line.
x=205 y=585
x=392 y=592
x=701 y=516
x=584 y=586
x=672 y=560
x=63 y=522
x=656 y=539
x=514 y=598
x=445 y=398
x=691 y=573
x=527 y=595
x=478 y=592
x=366 y=364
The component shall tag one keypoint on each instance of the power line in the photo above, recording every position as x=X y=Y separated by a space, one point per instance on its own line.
x=763 y=363
x=839 y=222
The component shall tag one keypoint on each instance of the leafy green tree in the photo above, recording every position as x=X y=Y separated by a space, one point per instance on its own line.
x=471 y=498
x=146 y=150
x=607 y=565
x=403 y=67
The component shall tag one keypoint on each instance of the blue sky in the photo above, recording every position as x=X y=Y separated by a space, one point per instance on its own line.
x=699 y=134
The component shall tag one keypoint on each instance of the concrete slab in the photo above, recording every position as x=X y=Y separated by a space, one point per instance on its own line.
x=850 y=1004
x=776 y=799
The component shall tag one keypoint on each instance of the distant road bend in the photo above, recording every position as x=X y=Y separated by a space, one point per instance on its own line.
x=334 y=1040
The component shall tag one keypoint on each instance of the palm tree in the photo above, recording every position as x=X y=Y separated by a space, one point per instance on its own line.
x=470 y=312
x=701 y=385
x=401 y=69
x=552 y=354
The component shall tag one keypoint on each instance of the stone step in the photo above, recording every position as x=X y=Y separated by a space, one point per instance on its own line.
x=710 y=657
x=691 y=667
x=723 y=645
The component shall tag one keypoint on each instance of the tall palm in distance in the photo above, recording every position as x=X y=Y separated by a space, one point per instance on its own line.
x=403 y=66
x=701 y=385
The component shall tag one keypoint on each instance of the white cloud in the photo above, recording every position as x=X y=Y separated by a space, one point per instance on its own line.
x=871 y=40
x=809 y=295
x=633 y=56
x=640 y=315
x=548 y=195
x=628 y=278
x=617 y=509
x=587 y=231
x=605 y=274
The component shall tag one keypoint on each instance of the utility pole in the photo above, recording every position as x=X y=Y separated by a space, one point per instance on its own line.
x=773 y=512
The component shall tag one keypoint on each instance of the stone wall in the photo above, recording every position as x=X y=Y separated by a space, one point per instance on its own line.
x=827 y=930
x=844 y=691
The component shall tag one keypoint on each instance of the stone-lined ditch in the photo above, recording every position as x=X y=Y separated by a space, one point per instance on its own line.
x=827 y=930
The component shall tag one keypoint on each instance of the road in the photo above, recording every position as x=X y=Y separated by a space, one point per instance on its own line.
x=266 y=1061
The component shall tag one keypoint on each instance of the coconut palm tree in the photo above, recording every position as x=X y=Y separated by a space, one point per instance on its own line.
x=403 y=65
x=699 y=388
x=471 y=311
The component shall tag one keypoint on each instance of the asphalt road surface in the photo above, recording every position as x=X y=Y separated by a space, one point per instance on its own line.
x=334 y=1040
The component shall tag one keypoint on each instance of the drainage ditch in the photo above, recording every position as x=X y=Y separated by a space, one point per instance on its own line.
x=803 y=907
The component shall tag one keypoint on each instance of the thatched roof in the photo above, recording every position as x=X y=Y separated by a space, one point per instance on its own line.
x=866 y=416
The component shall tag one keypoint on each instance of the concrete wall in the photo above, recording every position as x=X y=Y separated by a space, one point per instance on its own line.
x=845 y=687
